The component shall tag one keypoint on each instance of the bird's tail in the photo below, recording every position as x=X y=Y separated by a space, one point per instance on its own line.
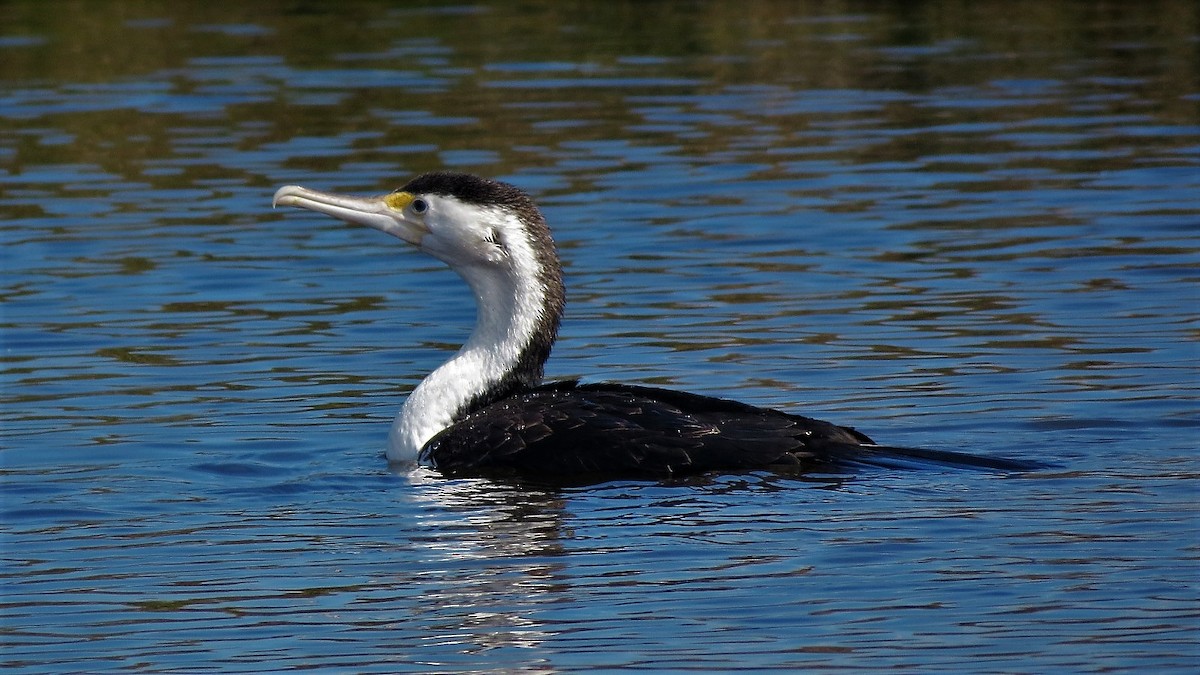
x=891 y=457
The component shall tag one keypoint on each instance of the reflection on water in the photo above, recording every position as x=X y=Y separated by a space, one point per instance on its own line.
x=966 y=227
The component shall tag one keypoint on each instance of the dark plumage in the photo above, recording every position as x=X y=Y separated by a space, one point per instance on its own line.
x=566 y=428
x=598 y=430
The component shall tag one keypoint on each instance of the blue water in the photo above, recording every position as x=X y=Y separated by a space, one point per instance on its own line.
x=971 y=227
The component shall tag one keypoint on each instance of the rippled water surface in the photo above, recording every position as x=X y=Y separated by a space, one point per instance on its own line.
x=953 y=225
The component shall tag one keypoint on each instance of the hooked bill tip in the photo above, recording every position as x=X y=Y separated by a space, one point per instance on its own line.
x=283 y=193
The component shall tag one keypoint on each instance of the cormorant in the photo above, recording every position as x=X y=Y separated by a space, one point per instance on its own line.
x=487 y=411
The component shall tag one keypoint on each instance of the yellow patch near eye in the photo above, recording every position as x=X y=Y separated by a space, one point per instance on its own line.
x=399 y=200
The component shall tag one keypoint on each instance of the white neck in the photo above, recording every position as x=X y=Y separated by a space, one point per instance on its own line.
x=511 y=309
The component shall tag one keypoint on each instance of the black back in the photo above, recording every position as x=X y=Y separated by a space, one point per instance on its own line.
x=566 y=428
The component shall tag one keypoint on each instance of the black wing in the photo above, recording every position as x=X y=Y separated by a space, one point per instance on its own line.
x=571 y=429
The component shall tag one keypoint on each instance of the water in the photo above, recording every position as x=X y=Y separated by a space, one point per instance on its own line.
x=955 y=226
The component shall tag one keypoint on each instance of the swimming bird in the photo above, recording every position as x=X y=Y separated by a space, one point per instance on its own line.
x=487 y=411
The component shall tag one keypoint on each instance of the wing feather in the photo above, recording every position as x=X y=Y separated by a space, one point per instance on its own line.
x=566 y=428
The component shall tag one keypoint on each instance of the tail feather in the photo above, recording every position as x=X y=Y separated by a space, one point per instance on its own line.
x=892 y=457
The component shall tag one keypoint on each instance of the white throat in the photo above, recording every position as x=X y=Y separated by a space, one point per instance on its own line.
x=510 y=308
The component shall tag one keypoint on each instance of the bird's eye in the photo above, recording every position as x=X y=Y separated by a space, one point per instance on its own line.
x=420 y=206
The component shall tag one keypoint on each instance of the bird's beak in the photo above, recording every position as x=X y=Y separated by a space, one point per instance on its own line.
x=385 y=214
